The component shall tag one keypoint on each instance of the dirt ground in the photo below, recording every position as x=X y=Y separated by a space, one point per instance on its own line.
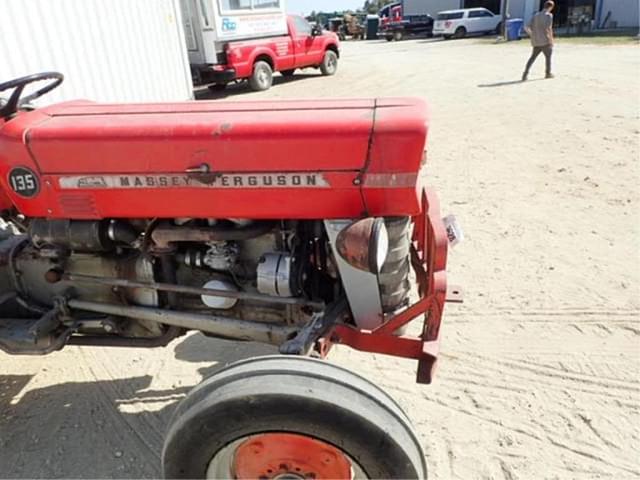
x=540 y=368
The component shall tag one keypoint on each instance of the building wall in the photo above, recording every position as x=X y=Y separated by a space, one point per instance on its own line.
x=624 y=12
x=435 y=6
x=109 y=51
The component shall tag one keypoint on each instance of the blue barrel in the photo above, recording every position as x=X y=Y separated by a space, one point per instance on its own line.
x=514 y=28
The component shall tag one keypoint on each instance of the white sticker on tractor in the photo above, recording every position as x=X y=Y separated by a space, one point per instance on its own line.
x=454 y=230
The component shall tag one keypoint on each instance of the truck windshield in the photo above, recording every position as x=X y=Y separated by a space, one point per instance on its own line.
x=450 y=15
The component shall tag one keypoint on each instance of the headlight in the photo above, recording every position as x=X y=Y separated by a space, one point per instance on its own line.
x=364 y=244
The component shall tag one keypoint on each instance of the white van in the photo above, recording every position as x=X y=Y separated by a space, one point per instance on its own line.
x=459 y=23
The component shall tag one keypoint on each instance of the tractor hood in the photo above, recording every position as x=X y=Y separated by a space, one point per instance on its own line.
x=284 y=159
x=227 y=137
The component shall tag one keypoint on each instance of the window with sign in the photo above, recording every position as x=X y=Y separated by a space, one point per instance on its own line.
x=227 y=5
x=257 y=4
x=230 y=5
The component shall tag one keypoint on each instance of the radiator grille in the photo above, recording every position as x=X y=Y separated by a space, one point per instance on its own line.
x=81 y=205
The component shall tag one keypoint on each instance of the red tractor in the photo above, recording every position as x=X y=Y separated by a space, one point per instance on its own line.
x=301 y=224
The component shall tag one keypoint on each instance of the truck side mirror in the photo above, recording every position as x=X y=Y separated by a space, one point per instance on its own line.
x=316 y=30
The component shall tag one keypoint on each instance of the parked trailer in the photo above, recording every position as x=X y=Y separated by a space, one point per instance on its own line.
x=211 y=25
x=116 y=51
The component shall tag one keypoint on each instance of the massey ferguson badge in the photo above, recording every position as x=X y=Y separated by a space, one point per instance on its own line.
x=222 y=180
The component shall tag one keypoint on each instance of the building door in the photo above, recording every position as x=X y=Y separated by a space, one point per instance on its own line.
x=191 y=25
x=493 y=5
x=565 y=9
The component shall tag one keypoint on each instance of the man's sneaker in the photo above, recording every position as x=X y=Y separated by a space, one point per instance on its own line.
x=549 y=75
x=525 y=75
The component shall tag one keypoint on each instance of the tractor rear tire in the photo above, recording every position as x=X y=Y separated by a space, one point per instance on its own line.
x=251 y=415
x=329 y=64
x=262 y=77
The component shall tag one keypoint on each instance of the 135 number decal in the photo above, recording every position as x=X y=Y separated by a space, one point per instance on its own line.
x=24 y=182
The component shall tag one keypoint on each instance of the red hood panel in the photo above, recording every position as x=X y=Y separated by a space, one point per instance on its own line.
x=228 y=137
x=284 y=159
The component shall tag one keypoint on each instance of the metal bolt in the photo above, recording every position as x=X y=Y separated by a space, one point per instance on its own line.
x=357 y=181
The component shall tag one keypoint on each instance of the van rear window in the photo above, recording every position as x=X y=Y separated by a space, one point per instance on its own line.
x=450 y=16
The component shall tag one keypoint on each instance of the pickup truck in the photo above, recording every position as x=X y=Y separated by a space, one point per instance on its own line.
x=403 y=19
x=256 y=60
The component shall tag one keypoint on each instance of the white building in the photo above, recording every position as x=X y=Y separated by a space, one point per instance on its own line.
x=604 y=13
x=108 y=51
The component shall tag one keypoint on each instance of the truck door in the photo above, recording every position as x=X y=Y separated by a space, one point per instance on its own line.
x=488 y=20
x=474 y=21
x=308 y=49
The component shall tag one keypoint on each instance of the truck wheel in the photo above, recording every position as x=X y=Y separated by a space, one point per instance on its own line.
x=388 y=38
x=262 y=77
x=397 y=36
x=290 y=417
x=329 y=64
x=460 y=32
x=288 y=73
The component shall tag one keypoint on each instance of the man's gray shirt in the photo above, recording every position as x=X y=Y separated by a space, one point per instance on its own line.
x=541 y=29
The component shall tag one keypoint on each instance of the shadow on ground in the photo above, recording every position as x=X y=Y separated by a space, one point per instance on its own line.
x=508 y=83
x=203 y=93
x=99 y=429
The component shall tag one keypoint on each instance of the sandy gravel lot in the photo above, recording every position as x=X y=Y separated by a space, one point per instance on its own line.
x=539 y=376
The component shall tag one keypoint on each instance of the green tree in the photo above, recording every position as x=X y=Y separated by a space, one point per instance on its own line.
x=374 y=6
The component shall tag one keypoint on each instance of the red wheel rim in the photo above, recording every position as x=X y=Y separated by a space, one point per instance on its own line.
x=288 y=456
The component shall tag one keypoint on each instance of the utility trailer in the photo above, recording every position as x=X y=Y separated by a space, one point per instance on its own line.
x=209 y=26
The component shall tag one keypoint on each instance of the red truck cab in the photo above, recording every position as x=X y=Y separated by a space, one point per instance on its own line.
x=256 y=60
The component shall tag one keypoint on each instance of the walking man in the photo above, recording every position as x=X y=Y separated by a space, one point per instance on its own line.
x=540 y=29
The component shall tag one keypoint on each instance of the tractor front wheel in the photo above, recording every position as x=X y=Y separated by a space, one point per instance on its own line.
x=290 y=417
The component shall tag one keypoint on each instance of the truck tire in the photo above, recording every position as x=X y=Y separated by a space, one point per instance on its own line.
x=398 y=35
x=288 y=73
x=290 y=417
x=262 y=77
x=460 y=32
x=329 y=64
x=388 y=38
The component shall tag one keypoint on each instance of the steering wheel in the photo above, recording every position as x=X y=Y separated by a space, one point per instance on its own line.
x=14 y=102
